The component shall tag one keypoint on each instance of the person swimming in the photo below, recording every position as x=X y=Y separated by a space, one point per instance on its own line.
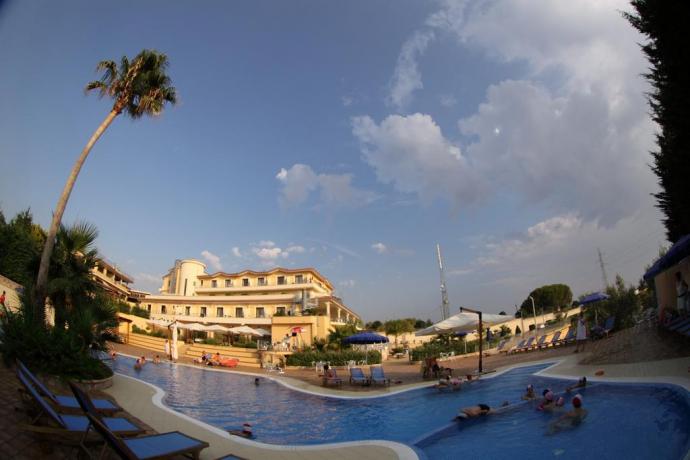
x=529 y=393
x=570 y=419
x=547 y=404
x=580 y=384
x=473 y=412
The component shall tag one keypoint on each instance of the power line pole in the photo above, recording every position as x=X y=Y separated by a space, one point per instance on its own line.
x=445 y=312
x=603 y=270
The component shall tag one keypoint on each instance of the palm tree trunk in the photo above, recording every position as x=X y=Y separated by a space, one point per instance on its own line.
x=42 y=279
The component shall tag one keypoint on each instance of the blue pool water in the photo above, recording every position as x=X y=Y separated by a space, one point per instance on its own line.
x=624 y=421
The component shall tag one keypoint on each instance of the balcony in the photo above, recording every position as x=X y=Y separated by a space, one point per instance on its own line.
x=266 y=286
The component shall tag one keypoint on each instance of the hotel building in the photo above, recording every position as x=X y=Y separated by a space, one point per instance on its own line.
x=280 y=300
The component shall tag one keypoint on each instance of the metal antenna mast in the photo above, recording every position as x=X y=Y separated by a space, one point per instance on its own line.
x=603 y=270
x=444 y=293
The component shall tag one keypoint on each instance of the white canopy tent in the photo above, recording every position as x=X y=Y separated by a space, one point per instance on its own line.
x=192 y=326
x=216 y=328
x=463 y=322
x=263 y=332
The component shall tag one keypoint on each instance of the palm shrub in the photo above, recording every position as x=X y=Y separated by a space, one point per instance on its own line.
x=336 y=358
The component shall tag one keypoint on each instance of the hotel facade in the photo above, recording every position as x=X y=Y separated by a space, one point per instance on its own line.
x=280 y=300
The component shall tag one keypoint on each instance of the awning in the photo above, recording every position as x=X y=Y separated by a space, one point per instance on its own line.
x=679 y=251
x=463 y=322
x=216 y=328
x=191 y=326
x=263 y=332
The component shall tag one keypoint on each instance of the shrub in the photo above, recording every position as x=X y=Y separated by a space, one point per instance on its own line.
x=244 y=344
x=123 y=307
x=141 y=312
x=155 y=333
x=336 y=358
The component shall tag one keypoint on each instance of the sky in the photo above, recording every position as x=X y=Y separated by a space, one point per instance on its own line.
x=351 y=137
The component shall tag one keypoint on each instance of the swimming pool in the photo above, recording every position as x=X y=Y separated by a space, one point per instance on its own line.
x=625 y=421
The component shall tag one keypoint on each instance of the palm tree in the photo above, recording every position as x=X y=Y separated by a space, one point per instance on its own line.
x=140 y=87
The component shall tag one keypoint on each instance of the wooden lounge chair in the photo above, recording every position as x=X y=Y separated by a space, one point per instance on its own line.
x=501 y=346
x=155 y=446
x=527 y=344
x=569 y=336
x=70 y=424
x=65 y=403
x=357 y=376
x=377 y=376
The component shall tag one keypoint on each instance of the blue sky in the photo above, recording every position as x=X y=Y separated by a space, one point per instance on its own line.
x=347 y=136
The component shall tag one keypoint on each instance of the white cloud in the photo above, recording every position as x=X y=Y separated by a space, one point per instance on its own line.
x=236 y=252
x=411 y=153
x=335 y=190
x=347 y=101
x=212 y=259
x=269 y=253
x=571 y=132
x=296 y=249
x=266 y=243
x=347 y=283
x=406 y=77
x=379 y=247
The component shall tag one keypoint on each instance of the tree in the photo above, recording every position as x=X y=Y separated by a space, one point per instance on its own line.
x=140 y=87
x=665 y=24
x=397 y=327
x=374 y=325
x=338 y=333
x=21 y=241
x=546 y=298
x=502 y=313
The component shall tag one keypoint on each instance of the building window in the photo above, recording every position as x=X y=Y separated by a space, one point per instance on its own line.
x=262 y=281
x=260 y=313
x=214 y=283
x=239 y=312
x=280 y=311
x=202 y=283
x=148 y=308
x=219 y=312
x=281 y=280
x=163 y=309
x=299 y=279
x=203 y=312
x=245 y=281
x=228 y=283
x=188 y=311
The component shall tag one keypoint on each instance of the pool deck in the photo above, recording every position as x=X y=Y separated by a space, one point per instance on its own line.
x=144 y=402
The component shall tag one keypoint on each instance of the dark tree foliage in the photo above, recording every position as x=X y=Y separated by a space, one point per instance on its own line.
x=665 y=24
x=21 y=242
x=547 y=299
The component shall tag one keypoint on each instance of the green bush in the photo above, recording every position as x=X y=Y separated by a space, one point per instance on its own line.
x=141 y=312
x=155 y=333
x=244 y=344
x=336 y=358
x=123 y=307
x=211 y=341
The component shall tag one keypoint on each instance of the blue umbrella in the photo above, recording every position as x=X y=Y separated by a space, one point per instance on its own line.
x=365 y=338
x=596 y=297
x=677 y=252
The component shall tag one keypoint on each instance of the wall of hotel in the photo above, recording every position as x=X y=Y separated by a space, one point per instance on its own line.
x=177 y=307
x=187 y=277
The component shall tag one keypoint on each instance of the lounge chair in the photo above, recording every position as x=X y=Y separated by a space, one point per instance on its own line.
x=609 y=325
x=540 y=342
x=517 y=347
x=527 y=345
x=501 y=345
x=569 y=337
x=377 y=376
x=155 y=446
x=357 y=376
x=333 y=379
x=679 y=324
x=71 y=424
x=554 y=339
x=65 y=402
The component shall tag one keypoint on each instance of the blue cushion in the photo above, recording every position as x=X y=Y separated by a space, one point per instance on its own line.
x=72 y=403
x=153 y=446
x=79 y=423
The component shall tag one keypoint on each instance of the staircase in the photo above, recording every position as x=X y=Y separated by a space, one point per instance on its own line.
x=248 y=357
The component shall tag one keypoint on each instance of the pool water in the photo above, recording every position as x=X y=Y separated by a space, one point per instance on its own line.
x=624 y=421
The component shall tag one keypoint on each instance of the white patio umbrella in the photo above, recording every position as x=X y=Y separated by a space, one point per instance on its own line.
x=216 y=328
x=463 y=322
x=173 y=348
x=192 y=326
x=263 y=332
x=245 y=330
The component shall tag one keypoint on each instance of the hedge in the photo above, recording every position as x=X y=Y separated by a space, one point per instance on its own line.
x=336 y=358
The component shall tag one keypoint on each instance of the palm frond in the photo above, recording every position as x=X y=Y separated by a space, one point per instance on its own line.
x=99 y=85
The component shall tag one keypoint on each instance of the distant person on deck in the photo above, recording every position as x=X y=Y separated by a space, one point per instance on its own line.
x=2 y=299
x=580 y=384
x=581 y=333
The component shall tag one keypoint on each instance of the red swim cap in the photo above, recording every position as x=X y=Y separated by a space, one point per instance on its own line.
x=577 y=401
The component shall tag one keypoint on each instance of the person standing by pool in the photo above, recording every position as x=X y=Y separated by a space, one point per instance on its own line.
x=581 y=333
x=681 y=291
x=167 y=349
